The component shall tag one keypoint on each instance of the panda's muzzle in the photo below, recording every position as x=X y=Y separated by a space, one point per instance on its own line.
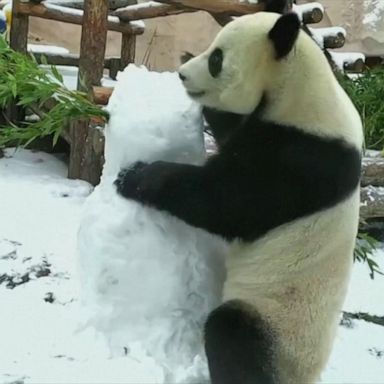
x=196 y=94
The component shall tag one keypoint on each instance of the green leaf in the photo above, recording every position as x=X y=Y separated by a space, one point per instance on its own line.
x=57 y=74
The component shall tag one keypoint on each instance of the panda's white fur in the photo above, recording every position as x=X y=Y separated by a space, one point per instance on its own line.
x=292 y=83
x=295 y=276
x=284 y=188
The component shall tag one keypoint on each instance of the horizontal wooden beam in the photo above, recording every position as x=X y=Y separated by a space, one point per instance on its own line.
x=75 y=16
x=149 y=10
x=79 y=4
x=68 y=59
x=230 y=7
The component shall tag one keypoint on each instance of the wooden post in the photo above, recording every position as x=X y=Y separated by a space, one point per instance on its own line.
x=87 y=142
x=18 y=42
x=19 y=29
x=128 y=48
x=93 y=44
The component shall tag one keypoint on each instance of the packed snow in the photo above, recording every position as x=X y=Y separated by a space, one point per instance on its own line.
x=47 y=49
x=48 y=335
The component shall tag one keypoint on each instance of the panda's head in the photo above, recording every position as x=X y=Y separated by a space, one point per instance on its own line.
x=232 y=74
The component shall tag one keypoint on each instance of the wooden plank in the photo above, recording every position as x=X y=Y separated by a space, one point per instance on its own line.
x=149 y=10
x=75 y=16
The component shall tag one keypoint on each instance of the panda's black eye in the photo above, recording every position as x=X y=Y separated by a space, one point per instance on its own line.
x=215 y=62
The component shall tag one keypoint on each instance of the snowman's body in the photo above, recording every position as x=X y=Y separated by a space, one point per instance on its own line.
x=149 y=278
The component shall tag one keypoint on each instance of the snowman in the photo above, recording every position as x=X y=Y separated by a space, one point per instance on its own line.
x=148 y=279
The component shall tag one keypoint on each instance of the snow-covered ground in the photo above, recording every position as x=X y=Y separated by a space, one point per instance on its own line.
x=40 y=338
x=144 y=295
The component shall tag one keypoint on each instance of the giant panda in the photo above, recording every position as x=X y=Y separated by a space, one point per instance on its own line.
x=283 y=189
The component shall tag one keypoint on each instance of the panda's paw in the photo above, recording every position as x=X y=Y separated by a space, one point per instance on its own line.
x=141 y=182
x=127 y=182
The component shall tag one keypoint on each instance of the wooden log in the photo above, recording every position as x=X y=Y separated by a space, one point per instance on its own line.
x=334 y=41
x=356 y=66
x=230 y=7
x=149 y=10
x=332 y=37
x=75 y=16
x=372 y=203
x=348 y=61
x=87 y=142
x=101 y=95
x=373 y=172
x=311 y=13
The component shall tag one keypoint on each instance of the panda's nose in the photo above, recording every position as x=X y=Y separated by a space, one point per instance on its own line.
x=182 y=77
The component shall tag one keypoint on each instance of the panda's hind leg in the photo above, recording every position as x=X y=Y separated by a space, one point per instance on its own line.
x=239 y=346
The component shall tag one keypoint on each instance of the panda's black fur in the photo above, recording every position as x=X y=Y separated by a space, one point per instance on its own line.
x=212 y=197
x=266 y=175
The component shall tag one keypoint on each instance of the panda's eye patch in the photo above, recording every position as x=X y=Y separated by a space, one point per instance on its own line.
x=215 y=62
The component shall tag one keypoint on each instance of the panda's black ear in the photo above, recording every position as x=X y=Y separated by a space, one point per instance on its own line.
x=284 y=34
x=277 y=6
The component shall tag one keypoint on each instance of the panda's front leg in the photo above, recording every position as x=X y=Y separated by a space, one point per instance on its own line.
x=144 y=182
x=180 y=189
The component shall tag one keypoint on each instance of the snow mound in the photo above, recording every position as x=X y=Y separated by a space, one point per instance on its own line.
x=149 y=280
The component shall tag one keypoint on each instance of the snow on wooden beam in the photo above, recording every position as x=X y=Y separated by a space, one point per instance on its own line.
x=310 y=13
x=75 y=16
x=349 y=61
x=372 y=203
x=230 y=7
x=149 y=10
x=373 y=171
x=79 y=4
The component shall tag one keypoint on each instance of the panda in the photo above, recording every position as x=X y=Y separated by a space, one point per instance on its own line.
x=283 y=189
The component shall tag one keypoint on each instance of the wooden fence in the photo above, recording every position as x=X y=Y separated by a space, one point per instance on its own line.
x=96 y=18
